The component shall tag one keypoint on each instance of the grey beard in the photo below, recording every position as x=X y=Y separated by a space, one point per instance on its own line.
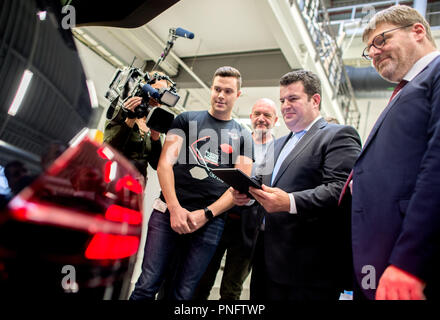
x=260 y=133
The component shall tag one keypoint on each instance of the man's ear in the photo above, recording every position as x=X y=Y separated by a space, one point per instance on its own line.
x=317 y=100
x=238 y=93
x=419 y=31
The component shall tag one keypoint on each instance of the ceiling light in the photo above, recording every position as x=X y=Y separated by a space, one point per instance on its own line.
x=42 y=15
x=22 y=88
x=116 y=60
x=89 y=40
x=103 y=51
x=92 y=94
x=79 y=31
x=79 y=137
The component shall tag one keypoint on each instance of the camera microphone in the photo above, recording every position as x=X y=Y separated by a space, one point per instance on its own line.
x=183 y=33
x=149 y=90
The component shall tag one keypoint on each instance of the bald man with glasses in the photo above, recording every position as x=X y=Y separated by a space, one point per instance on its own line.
x=396 y=179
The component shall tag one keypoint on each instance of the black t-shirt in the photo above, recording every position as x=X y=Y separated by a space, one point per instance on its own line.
x=207 y=142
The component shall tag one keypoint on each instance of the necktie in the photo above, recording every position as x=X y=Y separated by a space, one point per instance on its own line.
x=287 y=149
x=399 y=86
x=344 y=189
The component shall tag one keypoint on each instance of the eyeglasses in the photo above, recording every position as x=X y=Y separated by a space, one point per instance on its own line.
x=379 y=42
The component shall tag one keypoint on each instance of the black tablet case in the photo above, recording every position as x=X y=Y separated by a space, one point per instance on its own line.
x=237 y=179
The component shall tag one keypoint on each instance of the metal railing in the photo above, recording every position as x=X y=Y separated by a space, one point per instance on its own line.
x=329 y=54
x=360 y=11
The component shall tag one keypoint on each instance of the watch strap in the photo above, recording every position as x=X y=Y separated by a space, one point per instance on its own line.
x=208 y=213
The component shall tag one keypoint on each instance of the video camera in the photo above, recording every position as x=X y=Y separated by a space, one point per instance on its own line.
x=132 y=82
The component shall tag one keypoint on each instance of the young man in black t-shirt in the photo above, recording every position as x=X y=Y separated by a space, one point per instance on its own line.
x=193 y=198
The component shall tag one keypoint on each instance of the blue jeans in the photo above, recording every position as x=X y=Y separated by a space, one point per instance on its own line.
x=160 y=248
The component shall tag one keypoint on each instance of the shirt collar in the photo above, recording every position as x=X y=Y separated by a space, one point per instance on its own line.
x=312 y=123
x=420 y=65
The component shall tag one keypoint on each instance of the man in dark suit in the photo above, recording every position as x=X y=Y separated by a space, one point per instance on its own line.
x=396 y=180
x=302 y=248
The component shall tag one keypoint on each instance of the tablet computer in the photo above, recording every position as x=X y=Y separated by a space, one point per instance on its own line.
x=237 y=179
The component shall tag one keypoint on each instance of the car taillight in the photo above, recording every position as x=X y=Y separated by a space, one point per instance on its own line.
x=121 y=214
x=108 y=246
x=129 y=183
x=110 y=170
x=90 y=188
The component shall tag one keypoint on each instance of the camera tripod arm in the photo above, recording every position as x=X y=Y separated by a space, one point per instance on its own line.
x=166 y=51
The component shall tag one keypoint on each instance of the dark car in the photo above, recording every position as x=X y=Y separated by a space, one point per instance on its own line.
x=72 y=224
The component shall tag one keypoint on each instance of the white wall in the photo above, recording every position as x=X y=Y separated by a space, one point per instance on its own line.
x=100 y=72
x=370 y=110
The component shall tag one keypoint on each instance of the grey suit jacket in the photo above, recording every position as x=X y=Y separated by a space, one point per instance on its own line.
x=312 y=247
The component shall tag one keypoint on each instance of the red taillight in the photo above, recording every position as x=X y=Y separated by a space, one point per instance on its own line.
x=110 y=170
x=105 y=153
x=19 y=213
x=72 y=194
x=129 y=183
x=121 y=214
x=101 y=153
x=108 y=246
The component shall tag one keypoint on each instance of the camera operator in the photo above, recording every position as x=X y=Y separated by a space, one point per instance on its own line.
x=140 y=144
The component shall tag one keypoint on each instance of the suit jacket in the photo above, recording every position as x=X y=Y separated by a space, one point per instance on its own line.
x=396 y=186
x=311 y=248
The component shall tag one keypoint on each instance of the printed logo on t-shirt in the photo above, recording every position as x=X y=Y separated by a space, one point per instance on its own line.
x=203 y=156
x=201 y=149
x=198 y=173
x=226 y=148
x=211 y=157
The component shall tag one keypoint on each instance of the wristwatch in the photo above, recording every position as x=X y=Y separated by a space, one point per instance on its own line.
x=208 y=214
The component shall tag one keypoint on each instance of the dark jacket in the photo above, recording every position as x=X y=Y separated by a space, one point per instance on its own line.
x=396 y=186
x=312 y=248
x=139 y=148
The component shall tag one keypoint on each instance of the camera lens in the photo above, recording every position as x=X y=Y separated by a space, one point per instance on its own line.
x=141 y=110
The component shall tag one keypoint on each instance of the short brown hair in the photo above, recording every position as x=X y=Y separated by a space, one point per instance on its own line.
x=310 y=81
x=399 y=15
x=228 y=71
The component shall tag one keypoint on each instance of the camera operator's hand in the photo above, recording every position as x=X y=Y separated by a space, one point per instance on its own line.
x=142 y=125
x=130 y=105
x=155 y=135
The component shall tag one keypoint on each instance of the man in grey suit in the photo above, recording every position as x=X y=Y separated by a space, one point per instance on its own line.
x=302 y=247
